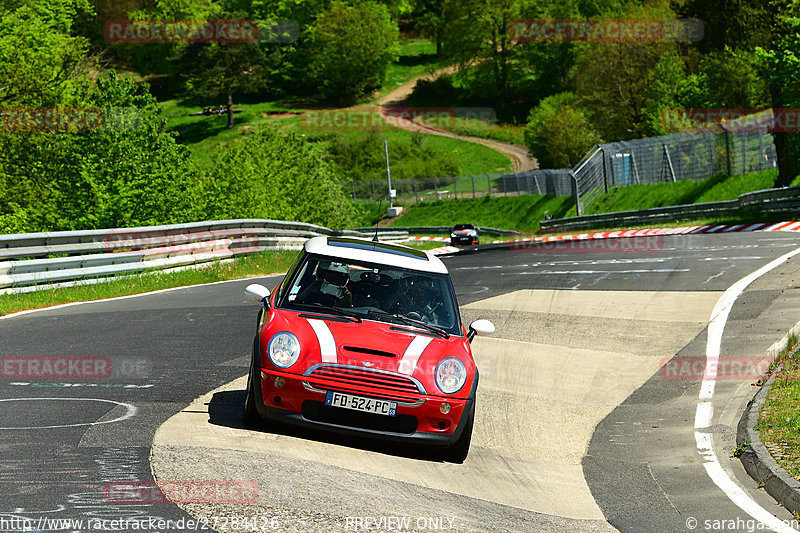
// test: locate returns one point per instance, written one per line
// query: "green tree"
(780, 59)
(734, 79)
(125, 172)
(558, 132)
(38, 55)
(353, 45)
(273, 175)
(215, 70)
(477, 34)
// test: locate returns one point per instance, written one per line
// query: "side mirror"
(258, 293)
(481, 328)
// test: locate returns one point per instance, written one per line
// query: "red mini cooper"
(363, 337)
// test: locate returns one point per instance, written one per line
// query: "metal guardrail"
(767, 202)
(28, 258)
(436, 230)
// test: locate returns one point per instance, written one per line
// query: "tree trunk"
(230, 109)
(787, 166)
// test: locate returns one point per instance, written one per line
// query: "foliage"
(276, 176)
(127, 172)
(558, 133)
(38, 56)
(353, 47)
(363, 157)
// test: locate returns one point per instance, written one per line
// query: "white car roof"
(375, 252)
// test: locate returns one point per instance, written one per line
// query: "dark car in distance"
(463, 234)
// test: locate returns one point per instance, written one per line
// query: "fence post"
(605, 173)
(436, 188)
(760, 150)
(744, 154)
(503, 177)
(372, 184)
(473, 186)
(355, 200)
(455, 187)
(710, 140)
(669, 162)
(489, 184)
(416, 194)
(727, 149)
(578, 209)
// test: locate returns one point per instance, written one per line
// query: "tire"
(250, 416)
(458, 451)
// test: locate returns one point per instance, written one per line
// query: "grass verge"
(779, 420)
(714, 189)
(523, 213)
(255, 265)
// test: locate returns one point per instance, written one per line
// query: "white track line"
(129, 296)
(705, 409)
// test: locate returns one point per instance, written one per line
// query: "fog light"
(444, 408)
(279, 382)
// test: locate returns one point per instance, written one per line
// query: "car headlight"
(453, 235)
(451, 374)
(283, 350)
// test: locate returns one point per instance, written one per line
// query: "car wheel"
(457, 452)
(250, 416)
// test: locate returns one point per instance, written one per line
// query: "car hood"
(370, 345)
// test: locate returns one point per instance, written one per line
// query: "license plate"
(359, 403)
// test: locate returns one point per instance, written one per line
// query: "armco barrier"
(26, 258)
(779, 201)
(436, 230)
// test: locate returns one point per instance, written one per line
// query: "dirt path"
(519, 155)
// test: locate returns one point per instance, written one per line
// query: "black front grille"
(319, 412)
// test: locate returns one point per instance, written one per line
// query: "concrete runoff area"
(541, 395)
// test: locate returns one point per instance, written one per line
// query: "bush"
(354, 46)
(273, 175)
(362, 156)
(558, 133)
(127, 172)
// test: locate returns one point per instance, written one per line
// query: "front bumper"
(301, 404)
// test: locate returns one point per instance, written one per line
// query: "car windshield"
(459, 227)
(374, 292)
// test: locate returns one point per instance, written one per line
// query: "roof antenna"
(380, 204)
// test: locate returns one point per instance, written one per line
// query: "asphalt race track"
(580, 427)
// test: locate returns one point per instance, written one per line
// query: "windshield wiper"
(332, 310)
(412, 322)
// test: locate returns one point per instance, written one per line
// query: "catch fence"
(694, 155)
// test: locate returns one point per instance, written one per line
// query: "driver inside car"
(414, 299)
(329, 288)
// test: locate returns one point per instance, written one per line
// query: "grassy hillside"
(715, 189)
(507, 212)
(524, 213)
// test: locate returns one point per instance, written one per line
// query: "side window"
(290, 274)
